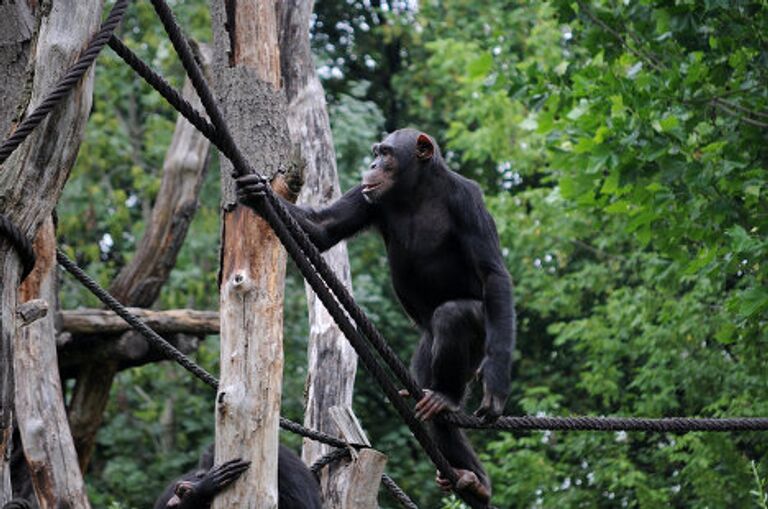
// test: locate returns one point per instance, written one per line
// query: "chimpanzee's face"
(382, 174)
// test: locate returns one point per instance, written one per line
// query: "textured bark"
(32, 178)
(332, 361)
(253, 261)
(41, 416)
(140, 281)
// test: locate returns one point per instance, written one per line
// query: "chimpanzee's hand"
(251, 189)
(227, 473)
(491, 407)
(221, 476)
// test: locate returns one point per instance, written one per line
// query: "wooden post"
(332, 361)
(32, 178)
(364, 469)
(140, 281)
(41, 416)
(247, 73)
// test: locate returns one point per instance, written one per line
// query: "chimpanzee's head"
(397, 162)
(182, 491)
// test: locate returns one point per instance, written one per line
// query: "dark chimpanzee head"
(398, 164)
(181, 492)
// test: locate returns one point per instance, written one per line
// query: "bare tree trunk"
(42, 419)
(253, 261)
(32, 178)
(140, 281)
(332, 361)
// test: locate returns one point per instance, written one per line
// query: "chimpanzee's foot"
(431, 404)
(468, 481)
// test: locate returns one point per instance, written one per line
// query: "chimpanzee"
(297, 487)
(447, 271)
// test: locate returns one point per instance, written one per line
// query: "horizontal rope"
(331, 457)
(668, 424)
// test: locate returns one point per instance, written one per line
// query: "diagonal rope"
(67, 82)
(397, 492)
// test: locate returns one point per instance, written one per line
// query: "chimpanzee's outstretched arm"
(327, 226)
(480, 242)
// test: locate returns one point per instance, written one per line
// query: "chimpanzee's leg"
(459, 336)
(421, 363)
(455, 350)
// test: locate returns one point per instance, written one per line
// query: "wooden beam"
(104, 322)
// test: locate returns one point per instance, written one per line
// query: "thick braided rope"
(668, 424)
(509, 423)
(398, 493)
(331, 457)
(242, 167)
(67, 82)
(224, 139)
(20, 242)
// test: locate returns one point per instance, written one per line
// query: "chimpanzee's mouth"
(367, 188)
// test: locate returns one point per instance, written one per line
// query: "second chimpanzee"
(297, 487)
(447, 270)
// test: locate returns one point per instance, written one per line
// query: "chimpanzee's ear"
(424, 147)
